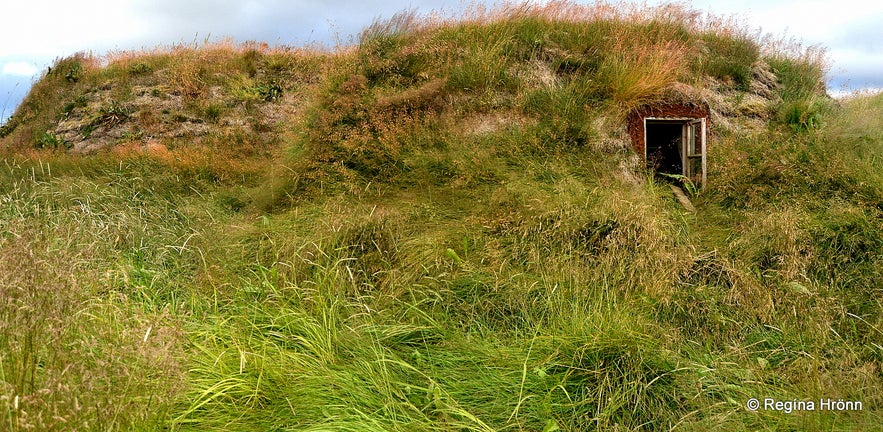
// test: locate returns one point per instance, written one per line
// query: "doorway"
(676, 146)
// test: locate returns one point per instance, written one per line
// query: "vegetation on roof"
(440, 227)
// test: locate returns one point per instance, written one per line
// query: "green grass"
(443, 229)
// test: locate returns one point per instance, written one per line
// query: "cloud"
(19, 68)
(863, 34)
(856, 68)
(295, 22)
(48, 28)
(849, 31)
(848, 93)
(102, 25)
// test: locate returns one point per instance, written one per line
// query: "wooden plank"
(682, 198)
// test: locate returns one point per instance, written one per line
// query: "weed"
(139, 69)
(50, 141)
(802, 114)
(212, 112)
(73, 73)
(250, 59)
(107, 117)
(80, 101)
(270, 91)
(801, 72)
(685, 181)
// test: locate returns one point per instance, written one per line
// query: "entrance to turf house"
(676, 147)
(672, 139)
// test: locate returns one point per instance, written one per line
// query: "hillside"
(446, 226)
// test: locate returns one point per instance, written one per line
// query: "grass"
(77, 351)
(441, 228)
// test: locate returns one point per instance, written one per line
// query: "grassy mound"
(441, 228)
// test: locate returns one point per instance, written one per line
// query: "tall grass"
(86, 342)
(442, 228)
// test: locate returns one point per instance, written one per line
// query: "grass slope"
(442, 228)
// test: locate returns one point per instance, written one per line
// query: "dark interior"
(664, 147)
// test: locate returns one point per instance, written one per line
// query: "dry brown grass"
(644, 71)
(71, 360)
(561, 11)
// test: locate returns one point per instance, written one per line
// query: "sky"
(33, 33)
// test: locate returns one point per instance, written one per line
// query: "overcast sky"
(35, 32)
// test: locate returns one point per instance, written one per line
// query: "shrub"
(73, 74)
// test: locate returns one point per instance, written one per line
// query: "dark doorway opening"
(664, 146)
(676, 148)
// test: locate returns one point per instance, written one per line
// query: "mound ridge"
(445, 226)
(609, 61)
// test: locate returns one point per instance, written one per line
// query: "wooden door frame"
(684, 121)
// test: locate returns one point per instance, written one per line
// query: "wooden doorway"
(676, 146)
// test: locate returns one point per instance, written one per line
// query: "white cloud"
(860, 68)
(863, 92)
(47, 28)
(19, 68)
(50, 29)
